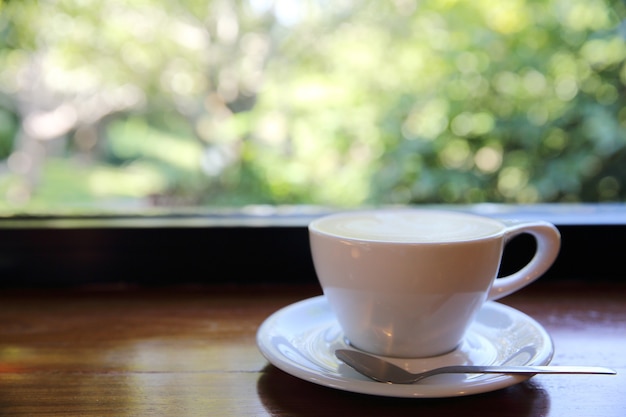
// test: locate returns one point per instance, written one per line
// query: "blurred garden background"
(130, 104)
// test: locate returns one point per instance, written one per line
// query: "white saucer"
(301, 339)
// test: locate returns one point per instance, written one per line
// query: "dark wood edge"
(58, 251)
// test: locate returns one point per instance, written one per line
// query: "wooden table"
(192, 352)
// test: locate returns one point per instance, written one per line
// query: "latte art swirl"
(418, 226)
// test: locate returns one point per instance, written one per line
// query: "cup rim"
(313, 226)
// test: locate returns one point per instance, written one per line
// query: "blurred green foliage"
(127, 103)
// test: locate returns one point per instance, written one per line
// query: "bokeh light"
(236, 102)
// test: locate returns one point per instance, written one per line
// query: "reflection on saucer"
(283, 394)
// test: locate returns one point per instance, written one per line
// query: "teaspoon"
(382, 371)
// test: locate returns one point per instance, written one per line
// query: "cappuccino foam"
(408, 226)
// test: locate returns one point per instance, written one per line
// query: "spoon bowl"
(383, 371)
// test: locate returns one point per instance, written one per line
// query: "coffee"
(409, 226)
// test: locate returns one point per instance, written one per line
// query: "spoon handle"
(547, 369)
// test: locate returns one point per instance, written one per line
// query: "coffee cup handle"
(548, 241)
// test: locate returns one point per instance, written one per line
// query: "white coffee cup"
(409, 282)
